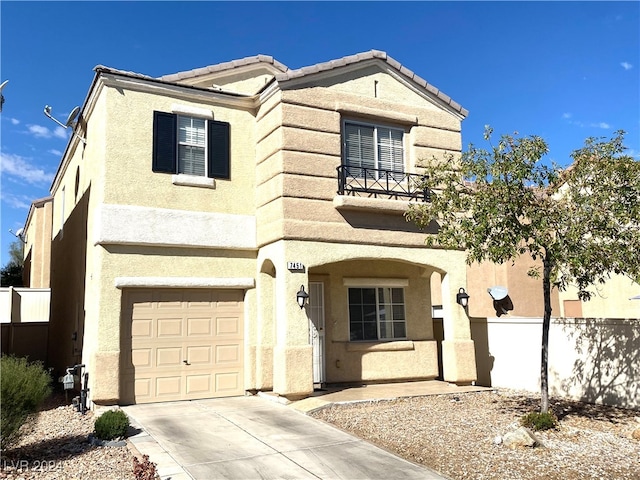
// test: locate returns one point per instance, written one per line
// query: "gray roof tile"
(225, 66)
(288, 74)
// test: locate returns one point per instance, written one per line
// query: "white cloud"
(626, 65)
(578, 123)
(14, 121)
(19, 168)
(55, 152)
(60, 132)
(39, 131)
(15, 201)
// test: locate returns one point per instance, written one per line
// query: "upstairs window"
(190, 145)
(373, 147)
(376, 313)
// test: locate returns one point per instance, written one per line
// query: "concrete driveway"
(254, 438)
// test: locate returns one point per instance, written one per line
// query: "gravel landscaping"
(456, 435)
(56, 446)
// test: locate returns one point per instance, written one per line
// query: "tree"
(16, 249)
(11, 273)
(582, 223)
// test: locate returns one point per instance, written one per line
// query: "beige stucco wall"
(355, 361)
(145, 264)
(282, 188)
(610, 300)
(76, 190)
(348, 361)
(248, 79)
(525, 291)
(128, 156)
(37, 248)
(299, 150)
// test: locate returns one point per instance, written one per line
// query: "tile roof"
(371, 55)
(102, 68)
(288, 74)
(220, 67)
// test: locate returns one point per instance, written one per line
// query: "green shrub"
(23, 387)
(539, 421)
(111, 424)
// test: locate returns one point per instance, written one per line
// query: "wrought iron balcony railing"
(376, 183)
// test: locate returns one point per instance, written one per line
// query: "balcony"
(384, 184)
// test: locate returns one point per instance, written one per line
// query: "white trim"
(175, 90)
(184, 180)
(135, 225)
(376, 113)
(375, 282)
(380, 345)
(184, 282)
(347, 202)
(191, 111)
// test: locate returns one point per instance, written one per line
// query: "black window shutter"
(218, 146)
(164, 142)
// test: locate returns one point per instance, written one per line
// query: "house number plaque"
(295, 266)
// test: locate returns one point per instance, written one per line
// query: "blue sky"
(561, 70)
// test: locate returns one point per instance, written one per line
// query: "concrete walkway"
(265, 437)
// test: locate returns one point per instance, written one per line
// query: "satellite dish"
(498, 292)
(501, 300)
(72, 116)
(2, 96)
(70, 120)
(19, 232)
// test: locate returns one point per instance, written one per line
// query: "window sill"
(347, 202)
(392, 346)
(193, 181)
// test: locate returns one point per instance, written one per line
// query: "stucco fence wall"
(24, 322)
(591, 359)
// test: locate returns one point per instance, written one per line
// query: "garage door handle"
(186, 362)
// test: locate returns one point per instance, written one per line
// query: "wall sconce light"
(462, 298)
(301, 296)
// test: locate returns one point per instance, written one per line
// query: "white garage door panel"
(184, 344)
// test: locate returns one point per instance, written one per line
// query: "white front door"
(316, 329)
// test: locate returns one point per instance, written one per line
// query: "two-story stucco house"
(191, 212)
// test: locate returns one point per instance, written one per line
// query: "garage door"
(181, 345)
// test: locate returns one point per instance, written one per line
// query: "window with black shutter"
(190, 145)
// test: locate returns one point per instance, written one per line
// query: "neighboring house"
(37, 250)
(619, 297)
(190, 210)
(24, 312)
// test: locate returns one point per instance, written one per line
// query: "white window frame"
(376, 142)
(376, 285)
(204, 147)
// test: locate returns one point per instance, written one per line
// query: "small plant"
(23, 387)
(111, 424)
(144, 470)
(539, 421)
